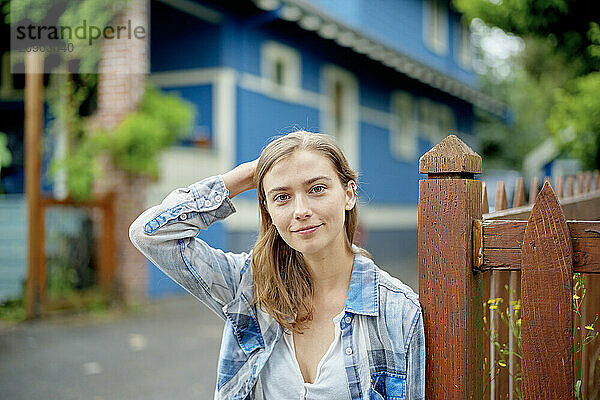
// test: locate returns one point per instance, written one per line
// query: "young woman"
(308, 315)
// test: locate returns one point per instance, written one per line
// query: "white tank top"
(281, 379)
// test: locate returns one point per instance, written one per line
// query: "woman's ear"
(350, 195)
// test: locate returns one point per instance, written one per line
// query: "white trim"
(246, 217)
(462, 46)
(435, 26)
(186, 77)
(225, 118)
(259, 84)
(272, 52)
(194, 9)
(403, 126)
(377, 218)
(199, 163)
(375, 117)
(388, 217)
(348, 135)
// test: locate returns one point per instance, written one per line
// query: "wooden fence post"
(449, 290)
(34, 115)
(547, 303)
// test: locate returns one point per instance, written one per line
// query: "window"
(280, 67)
(447, 121)
(436, 121)
(462, 42)
(435, 25)
(339, 109)
(403, 132)
(428, 120)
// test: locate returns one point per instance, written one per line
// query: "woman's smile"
(308, 230)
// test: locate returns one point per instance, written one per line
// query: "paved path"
(169, 351)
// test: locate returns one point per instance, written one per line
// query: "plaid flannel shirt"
(395, 353)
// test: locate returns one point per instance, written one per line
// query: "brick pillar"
(122, 73)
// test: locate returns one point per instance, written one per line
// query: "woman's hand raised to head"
(241, 178)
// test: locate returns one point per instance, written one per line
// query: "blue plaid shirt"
(395, 353)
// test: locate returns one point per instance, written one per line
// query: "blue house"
(388, 78)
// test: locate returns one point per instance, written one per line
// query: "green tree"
(555, 73)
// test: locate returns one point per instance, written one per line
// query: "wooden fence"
(467, 256)
(35, 285)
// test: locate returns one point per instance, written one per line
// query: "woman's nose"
(301, 209)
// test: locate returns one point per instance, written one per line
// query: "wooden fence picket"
(501, 280)
(515, 286)
(486, 285)
(547, 304)
(588, 181)
(533, 189)
(560, 182)
(570, 183)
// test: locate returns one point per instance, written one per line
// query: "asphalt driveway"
(168, 351)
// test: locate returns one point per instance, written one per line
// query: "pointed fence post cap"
(450, 156)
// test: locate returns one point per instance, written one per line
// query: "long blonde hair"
(283, 285)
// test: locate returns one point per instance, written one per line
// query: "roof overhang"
(313, 19)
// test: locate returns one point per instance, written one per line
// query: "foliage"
(5, 155)
(511, 317)
(564, 24)
(562, 48)
(530, 98)
(134, 145)
(577, 115)
(12, 310)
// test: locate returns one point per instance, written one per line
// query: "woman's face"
(307, 202)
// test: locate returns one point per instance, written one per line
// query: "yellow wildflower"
(576, 297)
(502, 363)
(490, 301)
(589, 327)
(493, 307)
(517, 307)
(513, 303)
(499, 299)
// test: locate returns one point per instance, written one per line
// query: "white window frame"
(429, 119)
(435, 26)
(403, 129)
(273, 52)
(347, 134)
(462, 45)
(447, 122)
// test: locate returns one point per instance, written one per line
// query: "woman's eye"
(280, 197)
(318, 189)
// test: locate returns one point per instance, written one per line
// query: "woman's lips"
(307, 231)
